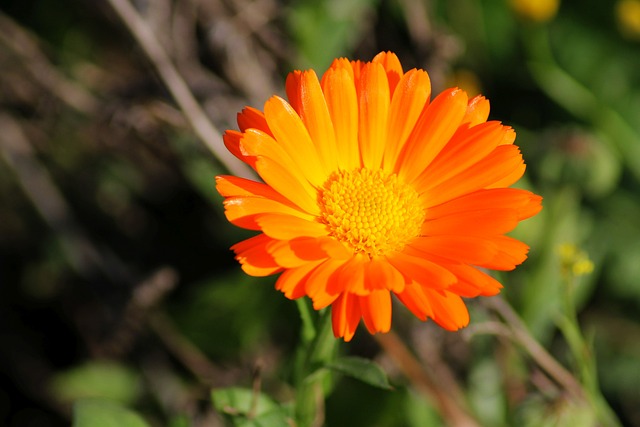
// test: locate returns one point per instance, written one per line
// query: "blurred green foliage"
(104, 413)
(97, 379)
(246, 409)
(140, 188)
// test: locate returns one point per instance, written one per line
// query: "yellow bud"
(582, 267)
(536, 10)
(574, 261)
(628, 17)
(567, 252)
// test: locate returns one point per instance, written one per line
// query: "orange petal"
(477, 111)
(415, 299)
(376, 311)
(341, 64)
(434, 128)
(251, 118)
(287, 227)
(464, 249)
(244, 211)
(296, 252)
(373, 103)
(230, 186)
(292, 88)
(334, 248)
(267, 151)
(342, 102)
(379, 274)
(408, 102)
(323, 277)
(511, 252)
(305, 95)
(502, 161)
(290, 133)
(524, 202)
(509, 137)
(254, 258)
(392, 67)
(533, 206)
(292, 281)
(467, 147)
(345, 316)
(449, 311)
(351, 277)
(357, 66)
(422, 270)
(286, 183)
(255, 143)
(509, 179)
(231, 139)
(481, 222)
(473, 282)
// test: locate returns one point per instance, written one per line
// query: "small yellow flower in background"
(582, 267)
(372, 189)
(567, 252)
(536, 10)
(628, 17)
(574, 261)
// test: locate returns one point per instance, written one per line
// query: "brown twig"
(254, 16)
(428, 349)
(84, 256)
(245, 64)
(256, 388)
(146, 295)
(451, 411)
(26, 45)
(192, 110)
(539, 378)
(183, 349)
(538, 353)
(437, 46)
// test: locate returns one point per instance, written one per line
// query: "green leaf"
(246, 408)
(104, 413)
(180, 421)
(277, 418)
(363, 370)
(97, 379)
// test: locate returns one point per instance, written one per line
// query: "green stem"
(308, 332)
(313, 381)
(581, 351)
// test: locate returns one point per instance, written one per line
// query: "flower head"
(372, 189)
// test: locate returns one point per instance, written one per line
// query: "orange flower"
(370, 189)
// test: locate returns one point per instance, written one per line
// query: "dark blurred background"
(115, 275)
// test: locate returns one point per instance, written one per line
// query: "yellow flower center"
(369, 211)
